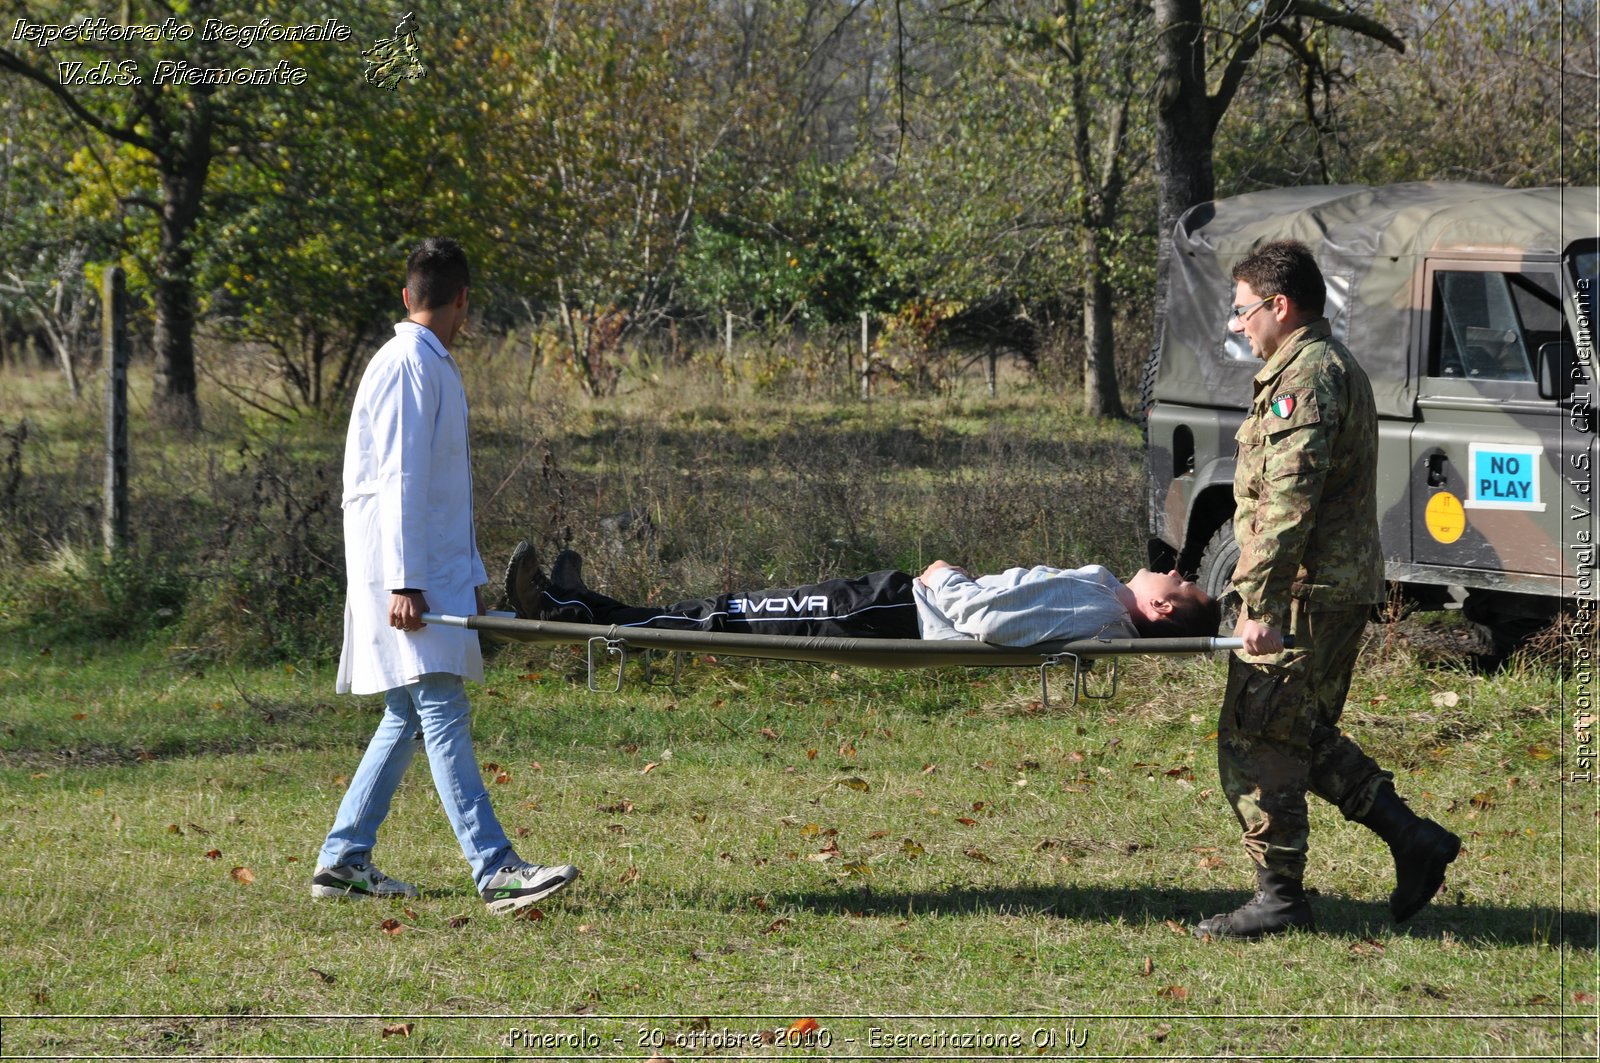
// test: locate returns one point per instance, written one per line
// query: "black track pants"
(877, 605)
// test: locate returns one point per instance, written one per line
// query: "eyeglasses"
(1241, 312)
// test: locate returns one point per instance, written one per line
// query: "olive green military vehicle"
(1470, 307)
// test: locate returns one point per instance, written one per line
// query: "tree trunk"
(1186, 125)
(1101, 397)
(183, 179)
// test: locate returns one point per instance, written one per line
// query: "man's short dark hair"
(1285, 267)
(436, 272)
(1193, 615)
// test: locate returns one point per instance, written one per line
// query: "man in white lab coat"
(409, 548)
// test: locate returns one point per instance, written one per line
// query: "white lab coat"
(408, 516)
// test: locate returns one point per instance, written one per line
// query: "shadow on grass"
(1490, 924)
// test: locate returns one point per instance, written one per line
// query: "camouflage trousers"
(1278, 737)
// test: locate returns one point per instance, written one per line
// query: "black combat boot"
(1421, 849)
(1279, 904)
(526, 582)
(566, 571)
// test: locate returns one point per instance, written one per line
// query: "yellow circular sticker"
(1446, 519)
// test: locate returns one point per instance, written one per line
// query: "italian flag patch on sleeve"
(1283, 406)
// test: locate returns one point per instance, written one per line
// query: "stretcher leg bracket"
(1080, 679)
(611, 647)
(623, 652)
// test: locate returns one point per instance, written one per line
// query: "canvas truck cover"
(1370, 243)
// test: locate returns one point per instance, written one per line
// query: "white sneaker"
(519, 884)
(358, 880)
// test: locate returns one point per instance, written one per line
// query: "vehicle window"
(1583, 258)
(1487, 326)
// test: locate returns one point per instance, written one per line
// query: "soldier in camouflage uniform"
(1309, 566)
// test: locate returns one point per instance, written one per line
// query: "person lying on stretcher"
(1017, 607)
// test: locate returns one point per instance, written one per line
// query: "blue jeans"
(436, 705)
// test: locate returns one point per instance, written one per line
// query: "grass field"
(929, 864)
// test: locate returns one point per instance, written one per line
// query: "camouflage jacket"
(1305, 485)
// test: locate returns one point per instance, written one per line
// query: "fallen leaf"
(214, 854)
(80, 716)
(322, 976)
(243, 875)
(1148, 969)
(172, 828)
(1446, 699)
(979, 855)
(1159, 1034)
(528, 915)
(621, 808)
(878, 834)
(760, 904)
(1368, 947)
(801, 1027)
(768, 733)
(531, 677)
(811, 754)
(929, 769)
(1209, 863)
(392, 927)
(584, 928)
(847, 749)
(456, 922)
(1176, 927)
(912, 849)
(1483, 799)
(1580, 997)
(491, 768)
(399, 1029)
(1540, 751)
(503, 777)
(775, 926)
(1173, 992)
(966, 821)
(855, 783)
(858, 867)
(630, 875)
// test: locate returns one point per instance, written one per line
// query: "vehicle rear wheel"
(1217, 562)
(1507, 621)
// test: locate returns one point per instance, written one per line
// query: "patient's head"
(1168, 606)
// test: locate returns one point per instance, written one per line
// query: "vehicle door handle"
(1436, 477)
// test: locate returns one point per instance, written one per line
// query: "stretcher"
(622, 643)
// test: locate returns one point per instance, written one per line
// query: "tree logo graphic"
(392, 60)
